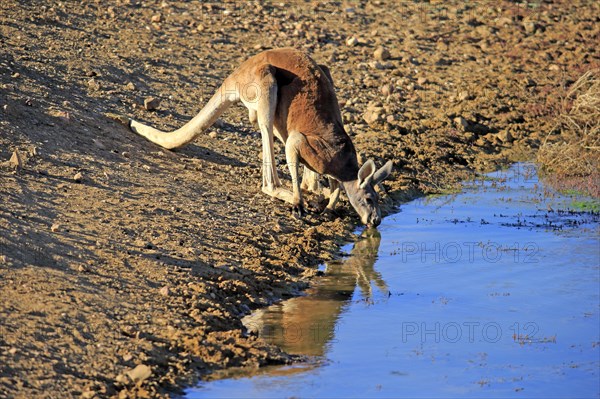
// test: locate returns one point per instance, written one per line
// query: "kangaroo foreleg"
(310, 181)
(334, 187)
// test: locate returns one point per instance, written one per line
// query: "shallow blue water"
(489, 293)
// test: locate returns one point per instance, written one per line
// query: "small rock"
(387, 89)
(88, 395)
(16, 75)
(83, 269)
(469, 126)
(164, 291)
(212, 135)
(463, 95)
(99, 144)
(484, 30)
(127, 357)
(12, 351)
(78, 177)
(381, 53)
(442, 46)
(422, 80)
(151, 103)
(15, 160)
(469, 136)
(372, 116)
(130, 86)
(461, 122)
(121, 379)
(93, 84)
(55, 227)
(505, 136)
(530, 27)
(352, 41)
(140, 373)
(156, 18)
(528, 82)
(504, 21)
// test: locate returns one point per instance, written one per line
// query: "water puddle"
(493, 292)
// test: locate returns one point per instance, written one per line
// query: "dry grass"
(570, 160)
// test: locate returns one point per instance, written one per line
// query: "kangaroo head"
(361, 192)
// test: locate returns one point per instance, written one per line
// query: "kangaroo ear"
(365, 173)
(383, 172)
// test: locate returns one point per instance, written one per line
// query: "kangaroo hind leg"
(292, 154)
(265, 114)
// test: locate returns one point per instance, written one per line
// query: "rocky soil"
(124, 268)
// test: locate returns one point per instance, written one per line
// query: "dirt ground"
(124, 268)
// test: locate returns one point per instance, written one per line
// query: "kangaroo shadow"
(307, 325)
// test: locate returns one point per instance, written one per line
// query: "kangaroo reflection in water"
(305, 325)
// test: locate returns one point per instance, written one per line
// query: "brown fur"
(307, 104)
(293, 99)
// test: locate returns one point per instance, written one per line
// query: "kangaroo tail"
(218, 103)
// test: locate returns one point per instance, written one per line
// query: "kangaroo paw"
(280, 193)
(298, 211)
(330, 214)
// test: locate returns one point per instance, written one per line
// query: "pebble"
(130, 86)
(88, 395)
(156, 18)
(387, 89)
(213, 135)
(422, 80)
(463, 95)
(15, 160)
(78, 177)
(99, 144)
(352, 41)
(381, 53)
(461, 122)
(530, 27)
(140, 373)
(93, 84)
(55, 227)
(372, 116)
(164, 291)
(151, 103)
(505, 136)
(528, 82)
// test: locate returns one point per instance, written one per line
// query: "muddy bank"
(115, 253)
